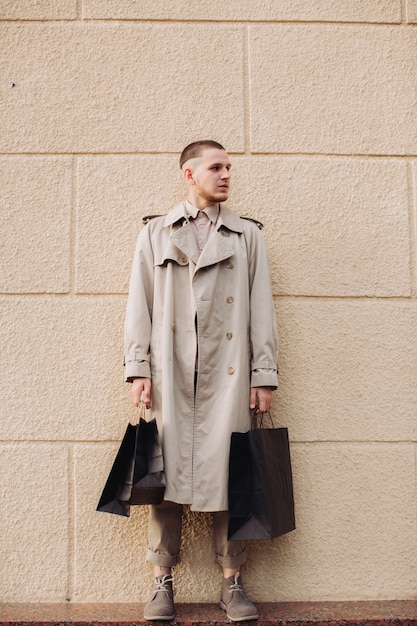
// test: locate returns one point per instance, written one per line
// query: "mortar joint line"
(234, 22)
(208, 22)
(415, 479)
(73, 443)
(412, 199)
(404, 12)
(71, 525)
(79, 9)
(246, 92)
(257, 154)
(73, 227)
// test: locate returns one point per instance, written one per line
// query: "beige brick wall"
(316, 102)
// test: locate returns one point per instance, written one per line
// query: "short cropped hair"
(195, 149)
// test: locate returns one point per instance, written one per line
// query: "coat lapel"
(179, 243)
(216, 249)
(184, 239)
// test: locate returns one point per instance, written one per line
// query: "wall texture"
(316, 102)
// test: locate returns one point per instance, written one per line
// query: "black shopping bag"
(148, 476)
(137, 475)
(261, 499)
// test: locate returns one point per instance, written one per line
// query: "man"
(201, 349)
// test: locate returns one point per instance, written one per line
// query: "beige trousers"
(165, 524)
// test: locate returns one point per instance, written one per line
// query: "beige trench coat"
(221, 301)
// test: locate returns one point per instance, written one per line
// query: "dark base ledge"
(369, 613)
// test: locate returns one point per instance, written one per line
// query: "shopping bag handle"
(257, 420)
(140, 412)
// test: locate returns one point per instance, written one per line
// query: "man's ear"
(188, 175)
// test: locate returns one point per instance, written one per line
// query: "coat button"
(225, 233)
(183, 259)
(173, 327)
(229, 335)
(230, 265)
(230, 370)
(229, 299)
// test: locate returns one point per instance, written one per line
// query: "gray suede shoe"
(161, 604)
(234, 601)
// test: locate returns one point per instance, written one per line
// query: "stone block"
(412, 11)
(35, 224)
(112, 545)
(356, 528)
(62, 368)
(347, 496)
(38, 10)
(334, 227)
(347, 369)
(34, 526)
(104, 539)
(333, 89)
(114, 87)
(114, 193)
(275, 10)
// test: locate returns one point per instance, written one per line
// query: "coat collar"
(227, 218)
(182, 238)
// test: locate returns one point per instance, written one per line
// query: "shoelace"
(161, 583)
(236, 586)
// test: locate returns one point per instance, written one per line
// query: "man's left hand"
(260, 399)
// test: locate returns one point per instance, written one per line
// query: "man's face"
(208, 177)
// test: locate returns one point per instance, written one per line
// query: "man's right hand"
(141, 391)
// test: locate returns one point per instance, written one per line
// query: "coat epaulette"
(148, 218)
(251, 219)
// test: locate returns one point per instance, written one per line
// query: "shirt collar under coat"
(211, 211)
(182, 242)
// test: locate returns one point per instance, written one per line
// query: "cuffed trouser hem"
(231, 562)
(230, 554)
(163, 560)
(165, 521)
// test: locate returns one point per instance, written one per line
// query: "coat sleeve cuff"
(261, 377)
(136, 367)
